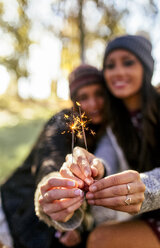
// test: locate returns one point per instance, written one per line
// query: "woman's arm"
(151, 179)
(51, 150)
(58, 202)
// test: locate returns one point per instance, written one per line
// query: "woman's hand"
(122, 191)
(60, 197)
(82, 167)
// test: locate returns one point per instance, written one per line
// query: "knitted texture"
(83, 75)
(71, 224)
(138, 45)
(151, 180)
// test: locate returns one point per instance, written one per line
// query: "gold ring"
(128, 188)
(128, 200)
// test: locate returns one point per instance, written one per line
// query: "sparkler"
(72, 128)
(82, 125)
(78, 126)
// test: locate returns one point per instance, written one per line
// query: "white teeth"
(119, 83)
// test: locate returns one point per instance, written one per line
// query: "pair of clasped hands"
(83, 172)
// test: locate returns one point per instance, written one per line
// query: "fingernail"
(88, 181)
(86, 173)
(46, 195)
(93, 188)
(89, 196)
(78, 192)
(40, 198)
(58, 234)
(71, 183)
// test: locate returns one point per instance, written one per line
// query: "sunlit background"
(41, 41)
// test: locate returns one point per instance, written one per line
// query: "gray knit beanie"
(136, 44)
(84, 75)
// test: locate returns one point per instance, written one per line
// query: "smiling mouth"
(95, 114)
(119, 84)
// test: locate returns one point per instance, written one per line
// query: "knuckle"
(115, 180)
(76, 148)
(117, 201)
(67, 156)
(47, 196)
(61, 204)
(96, 162)
(72, 166)
(101, 185)
(56, 217)
(117, 191)
(45, 209)
(68, 210)
(51, 181)
(143, 188)
(135, 209)
(63, 169)
(136, 175)
(141, 198)
(79, 159)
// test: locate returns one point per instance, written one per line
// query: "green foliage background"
(20, 125)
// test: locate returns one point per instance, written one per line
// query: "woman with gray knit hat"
(19, 225)
(134, 119)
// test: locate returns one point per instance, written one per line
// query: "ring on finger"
(128, 200)
(128, 188)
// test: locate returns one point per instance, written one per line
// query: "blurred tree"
(83, 26)
(18, 31)
(84, 22)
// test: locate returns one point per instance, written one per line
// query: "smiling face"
(92, 101)
(123, 73)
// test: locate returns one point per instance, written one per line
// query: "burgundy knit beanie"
(84, 75)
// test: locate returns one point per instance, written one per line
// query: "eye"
(83, 97)
(109, 66)
(129, 62)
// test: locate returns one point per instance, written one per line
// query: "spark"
(92, 132)
(77, 126)
(66, 116)
(82, 125)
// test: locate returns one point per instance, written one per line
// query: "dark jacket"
(17, 192)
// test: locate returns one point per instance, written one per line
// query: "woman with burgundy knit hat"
(19, 225)
(133, 113)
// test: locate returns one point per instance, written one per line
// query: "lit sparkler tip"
(78, 104)
(66, 116)
(83, 115)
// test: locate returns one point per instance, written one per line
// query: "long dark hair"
(141, 152)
